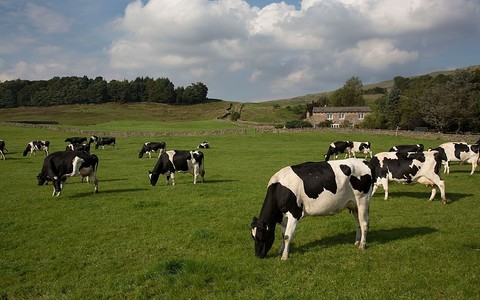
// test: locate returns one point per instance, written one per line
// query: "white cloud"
(272, 43)
(46, 20)
(236, 66)
(375, 54)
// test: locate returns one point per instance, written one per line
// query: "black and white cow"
(2, 149)
(338, 147)
(203, 145)
(78, 147)
(35, 146)
(317, 189)
(76, 140)
(407, 148)
(173, 161)
(459, 152)
(103, 141)
(59, 166)
(361, 147)
(150, 147)
(409, 168)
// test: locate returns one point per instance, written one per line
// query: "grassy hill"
(88, 115)
(269, 112)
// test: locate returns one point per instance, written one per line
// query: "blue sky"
(242, 50)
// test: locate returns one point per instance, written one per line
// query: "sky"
(242, 50)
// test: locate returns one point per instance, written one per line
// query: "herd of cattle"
(77, 160)
(326, 188)
(311, 188)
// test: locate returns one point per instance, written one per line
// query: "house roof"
(345, 109)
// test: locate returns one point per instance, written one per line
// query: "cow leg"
(433, 194)
(446, 167)
(384, 183)
(172, 175)
(441, 186)
(474, 165)
(195, 173)
(283, 226)
(361, 221)
(94, 179)
(288, 236)
(57, 186)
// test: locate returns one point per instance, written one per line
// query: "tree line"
(84, 90)
(444, 103)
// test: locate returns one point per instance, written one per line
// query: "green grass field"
(189, 241)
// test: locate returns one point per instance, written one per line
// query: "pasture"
(135, 241)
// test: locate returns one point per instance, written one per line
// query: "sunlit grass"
(193, 241)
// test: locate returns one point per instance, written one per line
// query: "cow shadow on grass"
(380, 236)
(395, 196)
(218, 180)
(106, 191)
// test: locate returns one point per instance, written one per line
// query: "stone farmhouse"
(339, 116)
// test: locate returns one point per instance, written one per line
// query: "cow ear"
(254, 222)
(150, 172)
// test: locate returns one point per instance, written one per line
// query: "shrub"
(297, 124)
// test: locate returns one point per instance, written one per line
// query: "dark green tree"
(350, 94)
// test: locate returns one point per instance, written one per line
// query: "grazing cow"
(35, 146)
(461, 152)
(58, 166)
(78, 147)
(2, 149)
(150, 147)
(204, 145)
(76, 140)
(338, 147)
(363, 147)
(317, 189)
(178, 161)
(102, 141)
(407, 148)
(409, 168)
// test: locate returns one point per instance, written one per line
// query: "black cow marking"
(316, 177)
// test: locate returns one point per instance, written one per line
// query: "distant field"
(97, 115)
(134, 241)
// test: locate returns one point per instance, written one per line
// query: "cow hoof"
(360, 245)
(284, 257)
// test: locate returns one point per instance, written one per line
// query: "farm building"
(339, 116)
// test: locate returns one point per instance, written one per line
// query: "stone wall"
(469, 138)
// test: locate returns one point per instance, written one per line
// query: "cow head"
(42, 179)
(153, 177)
(263, 236)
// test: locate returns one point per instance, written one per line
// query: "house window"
(361, 116)
(341, 116)
(329, 116)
